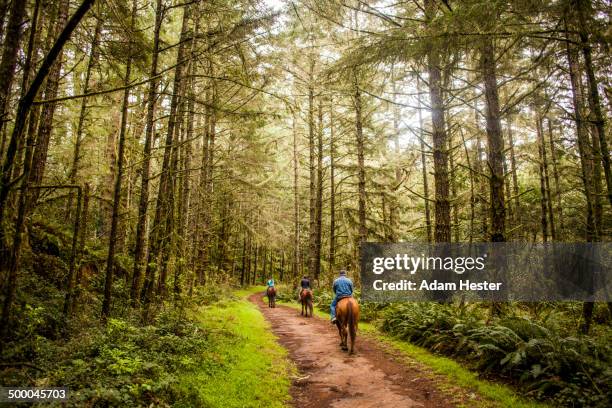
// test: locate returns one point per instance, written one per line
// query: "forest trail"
(330, 377)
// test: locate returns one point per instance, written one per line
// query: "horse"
(271, 294)
(347, 317)
(306, 301)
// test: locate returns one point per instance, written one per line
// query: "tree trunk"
(361, 179)
(78, 139)
(598, 190)
(543, 193)
(332, 190)
(442, 231)
(296, 206)
(586, 159)
(112, 240)
(39, 159)
(164, 205)
(312, 244)
(515, 188)
(544, 158)
(20, 118)
(4, 5)
(553, 156)
(319, 203)
(453, 186)
(583, 7)
(424, 165)
(472, 193)
(143, 204)
(495, 143)
(9, 62)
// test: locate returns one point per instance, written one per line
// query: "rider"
(343, 287)
(271, 282)
(305, 285)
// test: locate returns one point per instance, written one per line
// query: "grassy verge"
(448, 374)
(247, 367)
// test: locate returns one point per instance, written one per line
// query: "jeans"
(332, 307)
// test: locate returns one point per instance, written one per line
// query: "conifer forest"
(162, 160)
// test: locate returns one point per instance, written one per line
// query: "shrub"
(572, 371)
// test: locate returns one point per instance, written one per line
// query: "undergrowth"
(538, 354)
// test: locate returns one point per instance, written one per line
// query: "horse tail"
(352, 322)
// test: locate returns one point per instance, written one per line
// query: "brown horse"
(271, 294)
(306, 300)
(347, 317)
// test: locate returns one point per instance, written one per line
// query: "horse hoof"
(344, 348)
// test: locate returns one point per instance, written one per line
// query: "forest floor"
(330, 377)
(383, 372)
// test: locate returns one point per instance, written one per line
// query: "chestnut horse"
(347, 317)
(271, 294)
(306, 300)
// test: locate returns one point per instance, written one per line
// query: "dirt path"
(330, 377)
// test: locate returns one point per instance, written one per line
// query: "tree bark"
(9, 61)
(163, 208)
(543, 192)
(495, 143)
(312, 243)
(45, 127)
(332, 189)
(515, 187)
(143, 204)
(22, 111)
(110, 260)
(424, 165)
(361, 178)
(319, 203)
(553, 156)
(582, 8)
(586, 159)
(442, 231)
(78, 139)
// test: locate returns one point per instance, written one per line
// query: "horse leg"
(344, 335)
(310, 307)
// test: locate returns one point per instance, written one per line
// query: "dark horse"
(347, 316)
(271, 294)
(306, 301)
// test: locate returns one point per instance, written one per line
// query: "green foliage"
(244, 366)
(572, 371)
(183, 357)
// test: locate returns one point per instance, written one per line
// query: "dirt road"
(329, 377)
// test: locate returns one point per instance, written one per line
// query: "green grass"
(247, 367)
(454, 374)
(448, 374)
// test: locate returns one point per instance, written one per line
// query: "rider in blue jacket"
(343, 287)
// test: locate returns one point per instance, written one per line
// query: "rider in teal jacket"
(343, 287)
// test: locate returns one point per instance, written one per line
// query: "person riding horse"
(343, 287)
(271, 293)
(304, 285)
(305, 296)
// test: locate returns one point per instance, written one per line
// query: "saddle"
(302, 292)
(342, 298)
